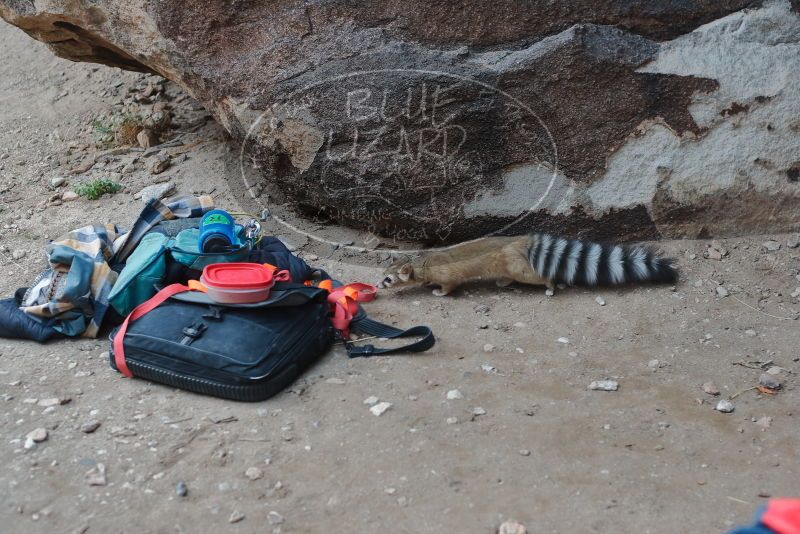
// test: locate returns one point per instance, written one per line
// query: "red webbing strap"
(344, 303)
(139, 311)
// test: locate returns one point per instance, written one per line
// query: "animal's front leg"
(444, 290)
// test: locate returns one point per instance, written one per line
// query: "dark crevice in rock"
(84, 45)
(793, 173)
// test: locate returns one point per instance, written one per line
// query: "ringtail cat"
(537, 259)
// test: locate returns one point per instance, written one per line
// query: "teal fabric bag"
(184, 250)
(145, 268)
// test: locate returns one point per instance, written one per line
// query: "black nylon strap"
(362, 323)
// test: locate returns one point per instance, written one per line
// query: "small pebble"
(772, 245)
(38, 435)
(146, 138)
(18, 254)
(512, 527)
(253, 473)
(563, 340)
(235, 516)
(488, 347)
(549, 292)
(337, 381)
(725, 406)
(69, 196)
(158, 163)
(722, 292)
(380, 408)
(90, 426)
(157, 191)
(769, 381)
(653, 364)
(525, 452)
(454, 394)
(710, 388)
(58, 181)
(181, 490)
(793, 242)
(478, 411)
(600, 301)
(488, 368)
(604, 385)
(274, 518)
(452, 420)
(371, 400)
(96, 476)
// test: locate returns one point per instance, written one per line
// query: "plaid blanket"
(155, 212)
(72, 294)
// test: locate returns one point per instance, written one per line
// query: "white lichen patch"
(529, 187)
(751, 120)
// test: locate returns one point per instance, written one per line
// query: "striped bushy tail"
(583, 263)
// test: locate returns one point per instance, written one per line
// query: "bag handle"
(140, 310)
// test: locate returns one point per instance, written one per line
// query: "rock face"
(440, 121)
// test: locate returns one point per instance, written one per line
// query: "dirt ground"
(528, 441)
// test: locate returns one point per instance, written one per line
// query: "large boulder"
(440, 121)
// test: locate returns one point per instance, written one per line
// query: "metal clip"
(252, 230)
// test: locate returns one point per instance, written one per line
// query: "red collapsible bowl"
(237, 283)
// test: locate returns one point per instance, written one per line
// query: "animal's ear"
(406, 272)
